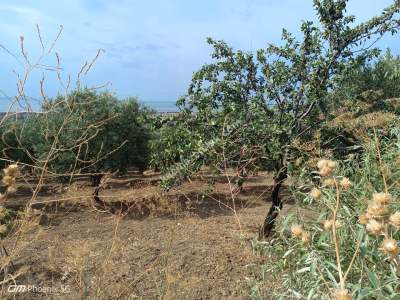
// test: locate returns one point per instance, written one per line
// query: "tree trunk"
(96, 179)
(276, 206)
(115, 207)
(98, 203)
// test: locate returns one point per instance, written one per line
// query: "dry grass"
(185, 244)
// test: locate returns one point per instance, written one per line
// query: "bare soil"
(190, 243)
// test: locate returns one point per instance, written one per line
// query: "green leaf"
(373, 279)
(287, 253)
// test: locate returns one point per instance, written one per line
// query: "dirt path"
(156, 258)
(196, 258)
(203, 252)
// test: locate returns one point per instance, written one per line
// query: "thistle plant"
(10, 174)
(8, 181)
(382, 223)
(378, 221)
(344, 240)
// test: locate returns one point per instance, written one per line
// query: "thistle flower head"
(325, 171)
(345, 183)
(331, 164)
(394, 219)
(329, 223)
(381, 198)
(11, 190)
(374, 227)
(296, 230)
(3, 229)
(12, 170)
(377, 210)
(342, 294)
(390, 247)
(315, 193)
(8, 180)
(364, 218)
(329, 182)
(326, 167)
(305, 237)
(322, 163)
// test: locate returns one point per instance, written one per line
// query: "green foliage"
(83, 132)
(277, 96)
(15, 146)
(309, 270)
(166, 145)
(113, 133)
(381, 76)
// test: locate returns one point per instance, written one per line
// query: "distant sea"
(158, 106)
(161, 106)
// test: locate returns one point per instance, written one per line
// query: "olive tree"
(375, 81)
(115, 134)
(99, 134)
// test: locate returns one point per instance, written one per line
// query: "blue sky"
(151, 47)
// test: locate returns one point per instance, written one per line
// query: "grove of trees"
(84, 132)
(244, 111)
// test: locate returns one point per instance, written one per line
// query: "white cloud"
(153, 42)
(27, 13)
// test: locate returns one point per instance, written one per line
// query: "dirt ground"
(191, 243)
